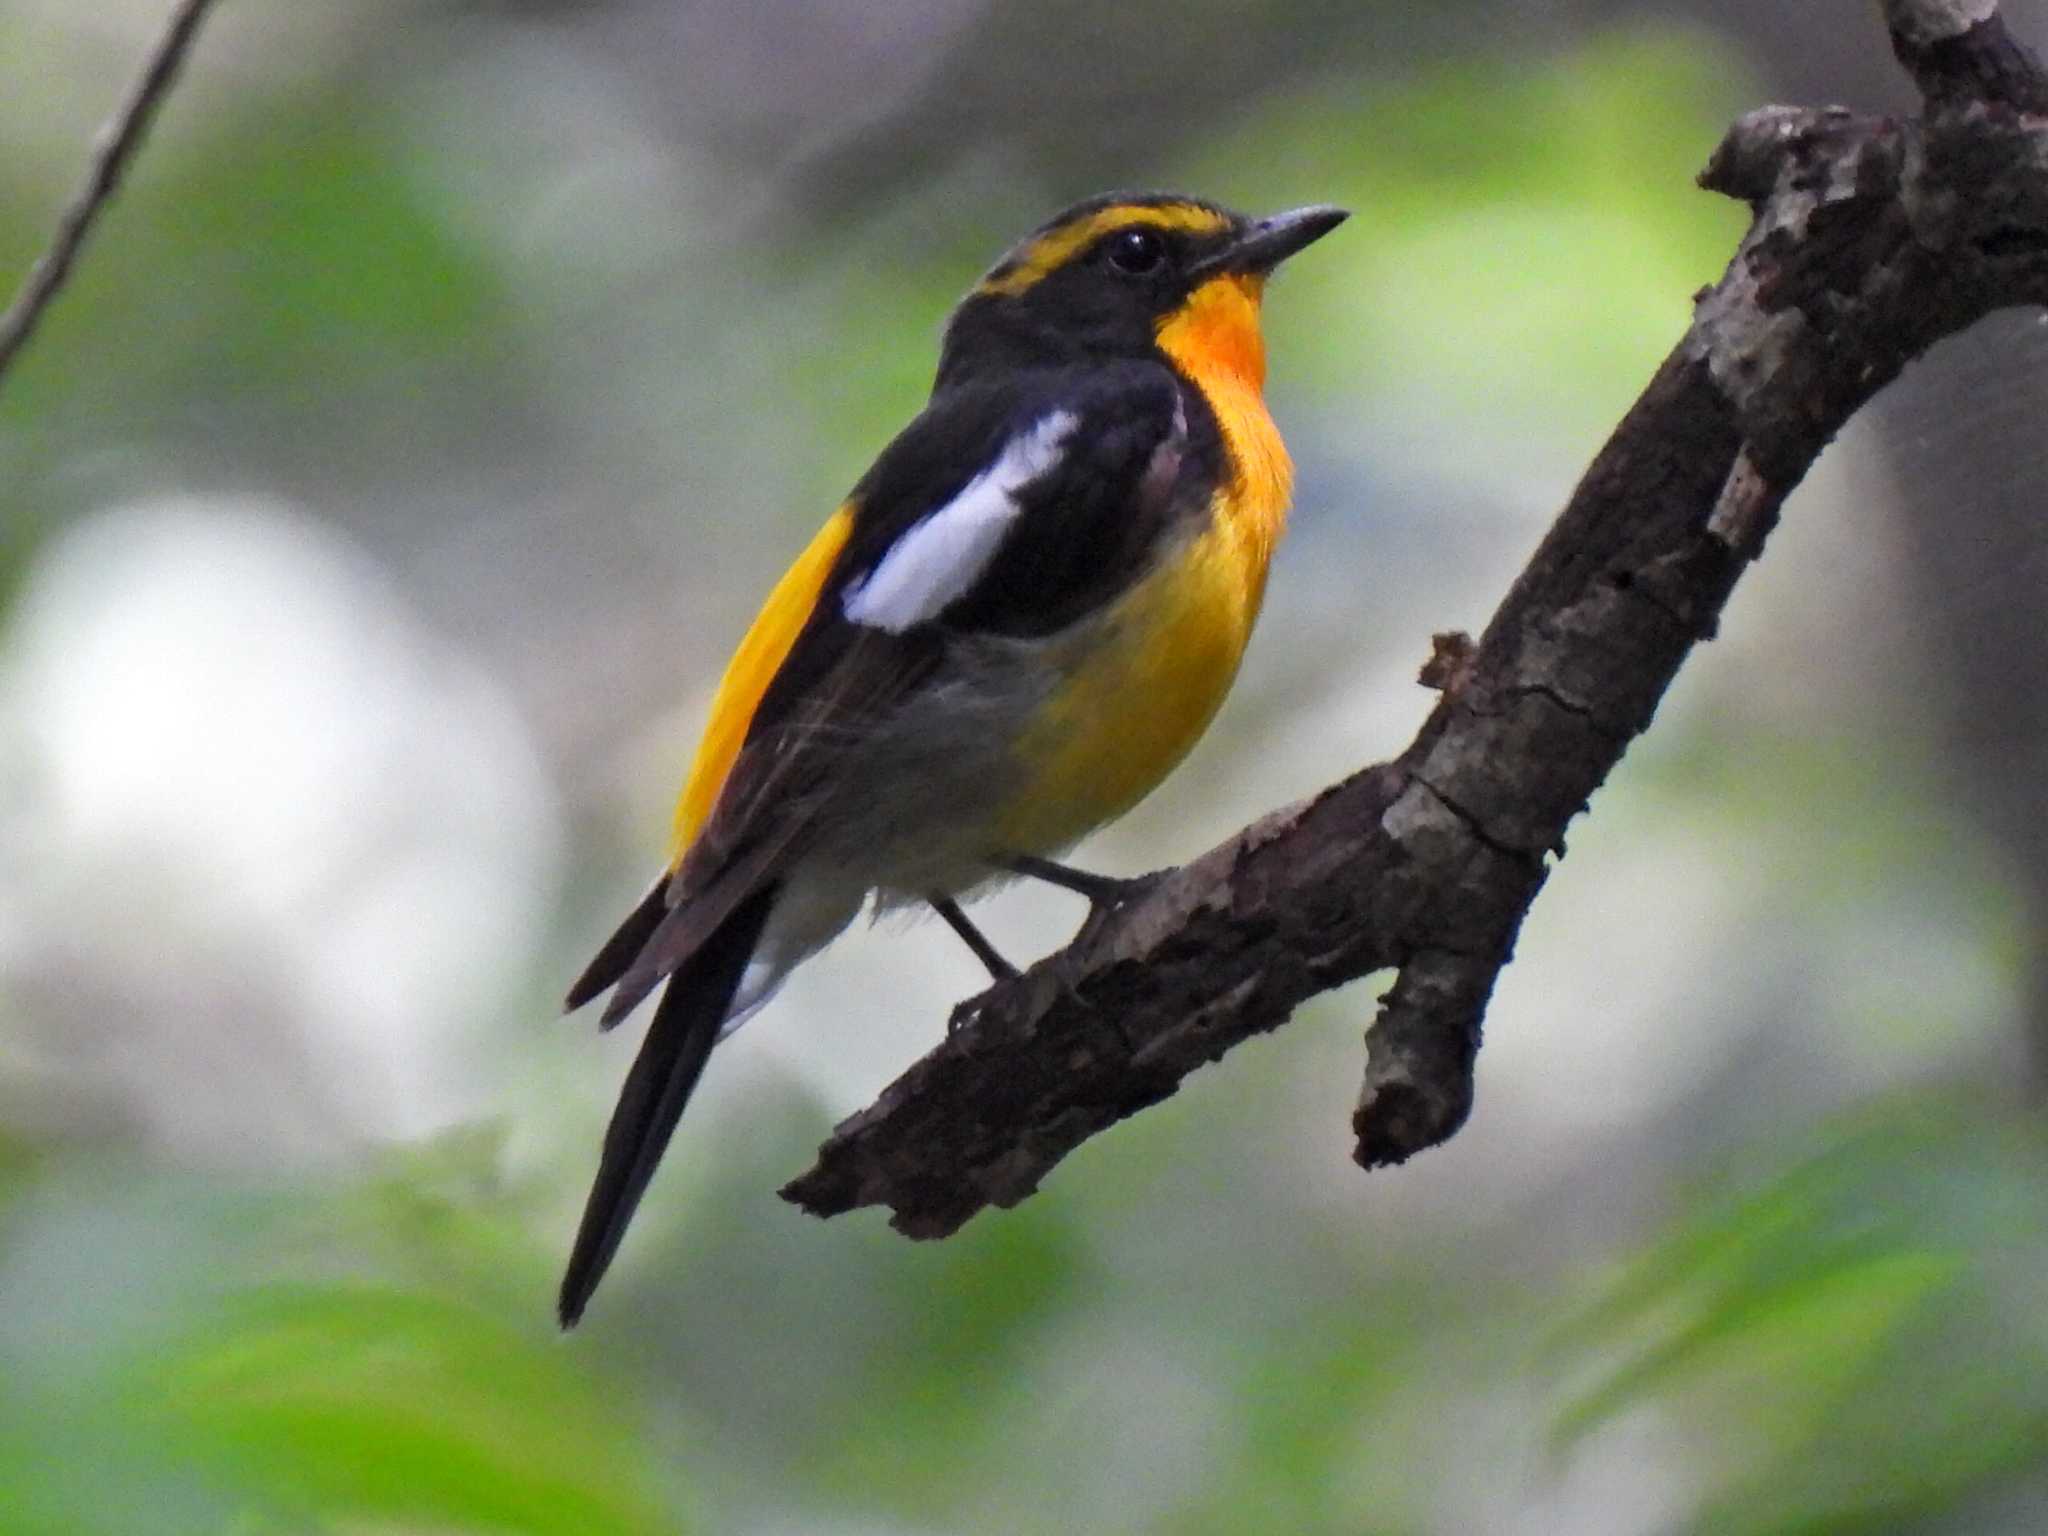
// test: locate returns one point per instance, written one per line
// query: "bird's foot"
(964, 1013)
(1105, 893)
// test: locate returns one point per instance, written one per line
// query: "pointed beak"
(1264, 243)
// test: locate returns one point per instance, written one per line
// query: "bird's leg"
(1101, 890)
(1105, 893)
(999, 969)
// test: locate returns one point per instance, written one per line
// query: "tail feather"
(679, 1040)
(689, 924)
(621, 948)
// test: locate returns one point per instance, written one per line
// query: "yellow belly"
(1139, 690)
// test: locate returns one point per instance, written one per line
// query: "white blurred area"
(270, 843)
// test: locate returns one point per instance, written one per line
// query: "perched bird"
(1017, 623)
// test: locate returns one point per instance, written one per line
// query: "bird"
(1009, 632)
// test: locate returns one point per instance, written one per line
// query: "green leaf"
(345, 1405)
(1854, 1345)
(1813, 1326)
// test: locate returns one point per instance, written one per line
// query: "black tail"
(671, 1059)
(622, 948)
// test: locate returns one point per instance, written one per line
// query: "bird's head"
(1124, 276)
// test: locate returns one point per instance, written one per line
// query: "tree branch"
(1960, 50)
(113, 149)
(1872, 238)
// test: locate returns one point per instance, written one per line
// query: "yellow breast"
(1147, 679)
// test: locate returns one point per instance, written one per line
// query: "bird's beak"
(1264, 243)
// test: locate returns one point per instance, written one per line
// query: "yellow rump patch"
(747, 676)
(1055, 248)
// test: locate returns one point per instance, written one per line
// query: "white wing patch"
(944, 553)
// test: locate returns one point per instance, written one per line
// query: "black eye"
(1137, 252)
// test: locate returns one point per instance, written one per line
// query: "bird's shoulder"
(1012, 502)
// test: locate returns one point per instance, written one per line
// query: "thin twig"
(113, 148)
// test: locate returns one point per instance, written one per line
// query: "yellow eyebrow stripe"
(1054, 249)
(747, 676)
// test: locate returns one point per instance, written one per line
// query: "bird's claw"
(964, 1013)
(1108, 898)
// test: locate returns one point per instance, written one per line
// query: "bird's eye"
(1137, 252)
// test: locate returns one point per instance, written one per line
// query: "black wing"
(1139, 450)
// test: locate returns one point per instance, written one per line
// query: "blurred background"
(376, 510)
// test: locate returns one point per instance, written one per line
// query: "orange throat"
(1214, 336)
(1214, 340)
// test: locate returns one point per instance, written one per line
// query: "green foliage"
(287, 253)
(1860, 1335)
(1317, 1405)
(276, 289)
(417, 1393)
(1507, 212)
(962, 1326)
(355, 1404)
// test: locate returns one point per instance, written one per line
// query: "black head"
(1102, 278)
